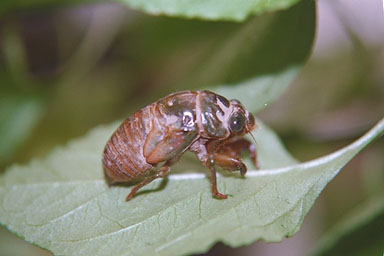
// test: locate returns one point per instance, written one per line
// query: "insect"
(199, 121)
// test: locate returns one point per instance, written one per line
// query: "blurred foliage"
(117, 60)
(359, 233)
(18, 116)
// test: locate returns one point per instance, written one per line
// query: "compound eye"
(237, 122)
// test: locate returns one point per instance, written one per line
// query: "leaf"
(208, 9)
(265, 51)
(263, 54)
(359, 233)
(12, 245)
(261, 91)
(63, 204)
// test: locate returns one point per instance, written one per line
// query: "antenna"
(253, 137)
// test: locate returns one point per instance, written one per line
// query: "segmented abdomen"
(153, 134)
(123, 157)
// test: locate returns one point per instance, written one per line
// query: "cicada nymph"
(199, 121)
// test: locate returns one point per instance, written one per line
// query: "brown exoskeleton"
(200, 121)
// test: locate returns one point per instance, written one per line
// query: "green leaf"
(63, 204)
(257, 54)
(208, 9)
(360, 233)
(255, 60)
(13, 245)
(261, 91)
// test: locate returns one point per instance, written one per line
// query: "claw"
(220, 196)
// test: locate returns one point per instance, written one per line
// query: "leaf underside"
(207, 9)
(63, 204)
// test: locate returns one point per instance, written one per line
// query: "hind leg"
(160, 173)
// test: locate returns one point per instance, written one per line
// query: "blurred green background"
(65, 69)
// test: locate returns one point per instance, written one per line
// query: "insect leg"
(229, 162)
(237, 146)
(253, 152)
(213, 180)
(161, 173)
